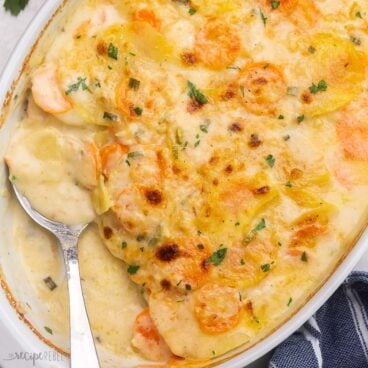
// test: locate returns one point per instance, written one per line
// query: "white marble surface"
(11, 29)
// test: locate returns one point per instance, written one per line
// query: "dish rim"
(9, 80)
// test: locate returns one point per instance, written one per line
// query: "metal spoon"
(83, 350)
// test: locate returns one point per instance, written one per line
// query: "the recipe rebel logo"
(33, 358)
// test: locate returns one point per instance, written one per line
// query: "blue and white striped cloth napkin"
(336, 336)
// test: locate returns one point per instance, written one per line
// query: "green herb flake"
(259, 227)
(195, 94)
(110, 116)
(358, 14)
(288, 184)
(138, 111)
(217, 257)
(197, 143)
(50, 283)
(124, 244)
(233, 68)
(15, 6)
(274, 4)
(289, 302)
(266, 267)
(135, 154)
(49, 330)
(300, 118)
(133, 269)
(13, 178)
(134, 84)
(304, 257)
(264, 19)
(242, 262)
(113, 51)
(192, 11)
(240, 297)
(242, 90)
(281, 117)
(204, 128)
(81, 83)
(312, 50)
(320, 87)
(270, 161)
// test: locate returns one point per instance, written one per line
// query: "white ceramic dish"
(11, 86)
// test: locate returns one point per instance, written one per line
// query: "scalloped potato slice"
(335, 61)
(173, 316)
(150, 43)
(230, 207)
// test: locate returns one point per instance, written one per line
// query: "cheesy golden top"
(221, 145)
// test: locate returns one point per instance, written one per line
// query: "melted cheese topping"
(221, 146)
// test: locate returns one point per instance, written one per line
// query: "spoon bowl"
(82, 346)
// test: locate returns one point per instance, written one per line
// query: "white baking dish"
(14, 291)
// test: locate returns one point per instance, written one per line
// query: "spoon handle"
(83, 350)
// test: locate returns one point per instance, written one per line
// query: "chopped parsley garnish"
(217, 257)
(260, 226)
(270, 161)
(188, 287)
(289, 302)
(50, 283)
(264, 19)
(15, 6)
(281, 117)
(197, 143)
(97, 83)
(355, 40)
(274, 4)
(311, 49)
(124, 244)
(13, 178)
(300, 118)
(134, 84)
(266, 267)
(113, 52)
(288, 184)
(48, 329)
(138, 111)
(179, 136)
(135, 154)
(240, 297)
(140, 237)
(133, 269)
(242, 90)
(192, 11)
(195, 94)
(358, 14)
(204, 128)
(233, 68)
(242, 262)
(320, 87)
(110, 116)
(304, 257)
(75, 86)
